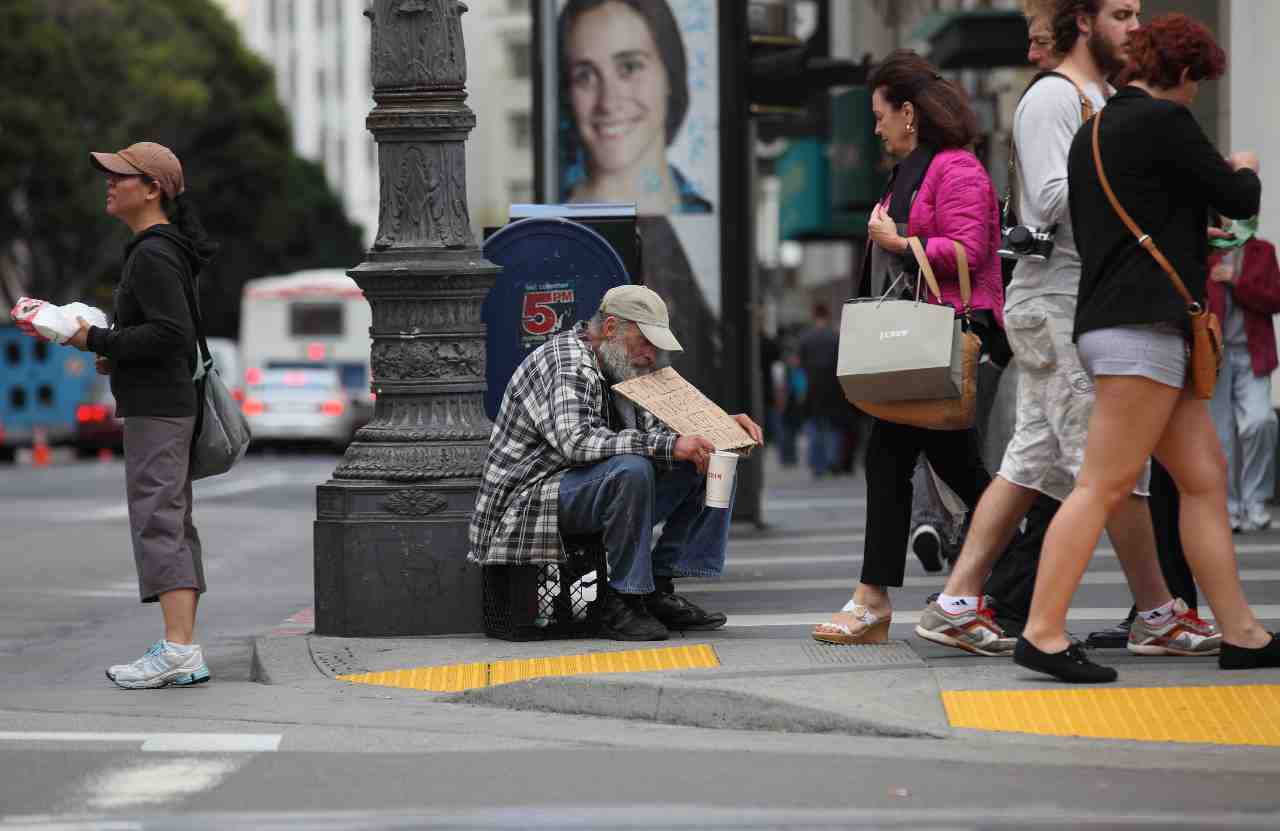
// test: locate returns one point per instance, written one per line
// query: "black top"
(819, 350)
(152, 341)
(1166, 174)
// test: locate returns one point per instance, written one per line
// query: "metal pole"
(391, 525)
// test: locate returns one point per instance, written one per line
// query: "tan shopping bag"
(917, 364)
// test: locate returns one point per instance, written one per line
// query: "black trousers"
(891, 458)
(1014, 576)
(1165, 505)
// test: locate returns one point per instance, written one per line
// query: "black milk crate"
(541, 602)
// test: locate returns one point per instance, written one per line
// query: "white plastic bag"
(45, 321)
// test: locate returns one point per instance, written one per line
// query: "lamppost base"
(389, 560)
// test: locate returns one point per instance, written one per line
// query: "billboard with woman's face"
(635, 90)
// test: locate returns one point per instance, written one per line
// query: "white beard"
(617, 366)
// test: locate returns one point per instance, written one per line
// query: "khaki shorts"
(1055, 400)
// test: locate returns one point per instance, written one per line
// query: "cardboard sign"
(685, 410)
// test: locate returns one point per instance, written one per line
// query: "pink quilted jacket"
(957, 202)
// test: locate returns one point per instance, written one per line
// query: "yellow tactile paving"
(459, 677)
(1245, 714)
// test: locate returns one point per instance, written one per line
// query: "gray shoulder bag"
(222, 434)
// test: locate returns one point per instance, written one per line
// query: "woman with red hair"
(1131, 330)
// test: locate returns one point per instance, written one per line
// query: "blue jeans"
(623, 497)
(824, 444)
(1241, 408)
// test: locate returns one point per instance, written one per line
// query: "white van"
(307, 320)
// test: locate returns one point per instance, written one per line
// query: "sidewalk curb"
(283, 661)
(613, 696)
(658, 698)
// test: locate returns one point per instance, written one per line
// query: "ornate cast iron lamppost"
(391, 526)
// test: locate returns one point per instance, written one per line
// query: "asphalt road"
(76, 753)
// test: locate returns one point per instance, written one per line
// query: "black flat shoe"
(1070, 665)
(1117, 637)
(1242, 657)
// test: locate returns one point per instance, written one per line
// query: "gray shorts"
(1156, 352)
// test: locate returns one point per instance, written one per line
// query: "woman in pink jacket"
(940, 193)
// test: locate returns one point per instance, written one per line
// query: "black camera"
(1022, 242)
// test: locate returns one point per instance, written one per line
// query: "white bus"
(308, 319)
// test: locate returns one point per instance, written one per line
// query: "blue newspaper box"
(554, 274)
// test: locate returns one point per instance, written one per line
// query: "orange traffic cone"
(40, 454)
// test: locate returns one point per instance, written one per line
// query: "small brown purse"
(1206, 331)
(939, 413)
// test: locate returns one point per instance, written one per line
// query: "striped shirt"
(556, 414)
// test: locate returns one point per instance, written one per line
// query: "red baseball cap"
(148, 159)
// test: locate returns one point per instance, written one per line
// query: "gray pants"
(1246, 425)
(166, 547)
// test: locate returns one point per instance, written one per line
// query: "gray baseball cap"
(643, 307)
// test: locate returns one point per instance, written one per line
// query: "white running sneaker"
(1185, 634)
(161, 666)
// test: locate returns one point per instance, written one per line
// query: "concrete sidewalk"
(898, 689)
(778, 679)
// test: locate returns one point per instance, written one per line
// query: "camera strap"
(1144, 239)
(1086, 113)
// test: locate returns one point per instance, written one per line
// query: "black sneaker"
(926, 543)
(1117, 637)
(681, 614)
(1242, 657)
(1070, 665)
(624, 617)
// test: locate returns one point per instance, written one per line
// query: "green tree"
(81, 75)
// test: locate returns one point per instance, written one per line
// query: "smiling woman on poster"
(625, 76)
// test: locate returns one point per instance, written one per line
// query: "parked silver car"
(299, 405)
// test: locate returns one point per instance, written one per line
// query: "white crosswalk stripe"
(912, 616)
(159, 742)
(1095, 578)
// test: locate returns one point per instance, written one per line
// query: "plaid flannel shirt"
(556, 414)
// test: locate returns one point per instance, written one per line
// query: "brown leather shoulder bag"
(1206, 331)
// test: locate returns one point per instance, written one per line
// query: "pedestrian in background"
(790, 391)
(825, 403)
(150, 355)
(1130, 329)
(940, 193)
(1244, 292)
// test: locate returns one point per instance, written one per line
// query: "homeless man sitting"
(569, 457)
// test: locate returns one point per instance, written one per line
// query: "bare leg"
(1195, 461)
(1129, 417)
(179, 610)
(875, 598)
(995, 521)
(1132, 534)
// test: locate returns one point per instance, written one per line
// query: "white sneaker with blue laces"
(162, 665)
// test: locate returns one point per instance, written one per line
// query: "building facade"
(320, 52)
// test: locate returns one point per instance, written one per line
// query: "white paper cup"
(721, 469)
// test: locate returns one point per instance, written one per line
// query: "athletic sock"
(180, 648)
(955, 605)
(1159, 616)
